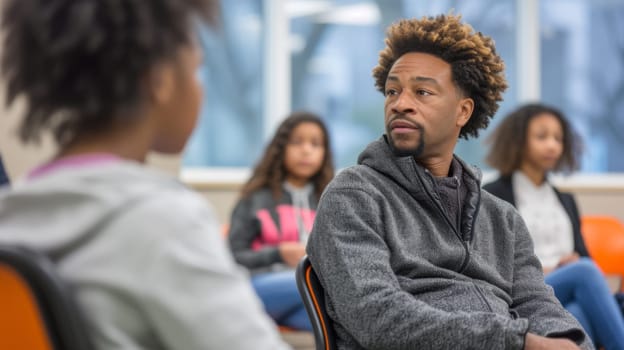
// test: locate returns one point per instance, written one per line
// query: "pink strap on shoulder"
(77, 161)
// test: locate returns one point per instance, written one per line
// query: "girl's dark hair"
(270, 171)
(80, 64)
(477, 70)
(508, 141)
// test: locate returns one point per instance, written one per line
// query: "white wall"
(18, 158)
(591, 201)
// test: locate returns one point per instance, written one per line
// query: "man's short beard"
(408, 152)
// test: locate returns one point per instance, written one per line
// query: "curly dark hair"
(508, 141)
(477, 70)
(270, 171)
(80, 63)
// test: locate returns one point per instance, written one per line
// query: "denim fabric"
(281, 299)
(583, 290)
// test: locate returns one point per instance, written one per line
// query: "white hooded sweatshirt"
(144, 256)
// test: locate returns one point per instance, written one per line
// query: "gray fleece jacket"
(144, 256)
(398, 275)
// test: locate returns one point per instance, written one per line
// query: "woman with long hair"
(531, 142)
(271, 222)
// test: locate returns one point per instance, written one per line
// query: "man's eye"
(391, 92)
(423, 93)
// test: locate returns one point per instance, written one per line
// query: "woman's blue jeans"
(281, 299)
(583, 291)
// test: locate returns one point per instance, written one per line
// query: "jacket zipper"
(482, 297)
(459, 205)
(471, 233)
(474, 218)
(464, 242)
(448, 221)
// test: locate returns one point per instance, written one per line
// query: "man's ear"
(160, 83)
(464, 109)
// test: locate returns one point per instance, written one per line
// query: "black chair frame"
(313, 297)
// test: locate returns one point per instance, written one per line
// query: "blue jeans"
(281, 299)
(583, 291)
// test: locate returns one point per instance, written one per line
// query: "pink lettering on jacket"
(287, 232)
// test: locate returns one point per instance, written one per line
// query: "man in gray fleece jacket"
(411, 253)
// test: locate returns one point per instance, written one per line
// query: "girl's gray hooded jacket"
(145, 256)
(397, 274)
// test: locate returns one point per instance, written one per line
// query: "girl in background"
(531, 142)
(270, 224)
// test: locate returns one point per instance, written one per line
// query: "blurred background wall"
(268, 57)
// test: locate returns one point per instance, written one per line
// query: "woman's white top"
(546, 219)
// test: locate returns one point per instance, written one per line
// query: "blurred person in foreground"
(113, 80)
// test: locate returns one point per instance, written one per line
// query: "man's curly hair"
(477, 70)
(80, 63)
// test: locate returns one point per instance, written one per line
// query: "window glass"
(335, 49)
(582, 46)
(334, 45)
(229, 130)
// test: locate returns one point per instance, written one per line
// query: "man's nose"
(403, 104)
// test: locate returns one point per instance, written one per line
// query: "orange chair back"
(604, 238)
(21, 325)
(37, 307)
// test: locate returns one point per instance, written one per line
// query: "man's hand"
(291, 252)
(536, 342)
